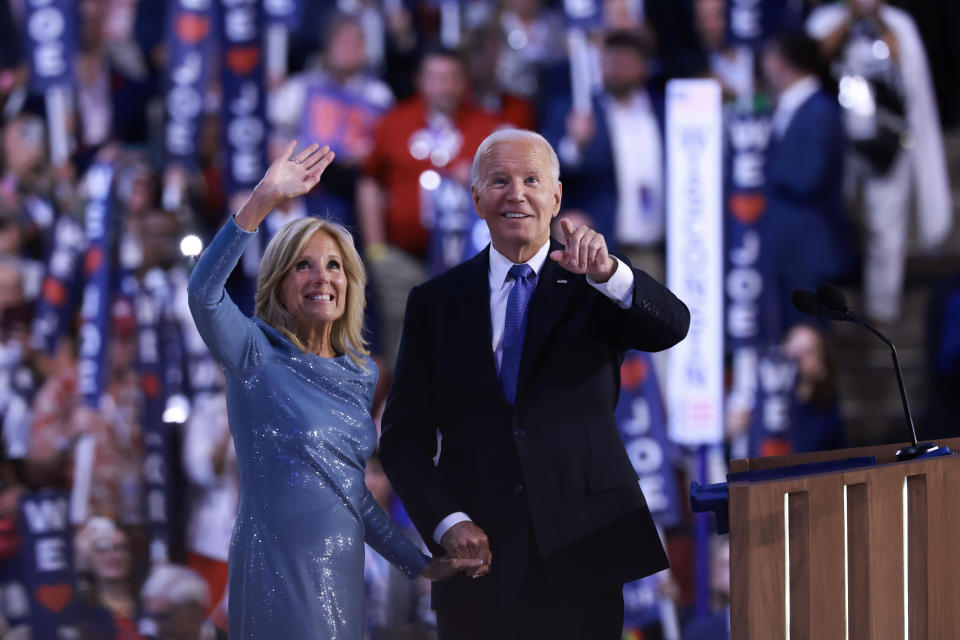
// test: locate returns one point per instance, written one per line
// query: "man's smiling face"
(517, 195)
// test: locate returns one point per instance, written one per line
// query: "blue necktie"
(514, 326)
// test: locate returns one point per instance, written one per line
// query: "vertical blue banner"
(243, 111)
(51, 41)
(770, 420)
(456, 233)
(95, 313)
(47, 561)
(189, 41)
(642, 421)
(59, 293)
(151, 368)
(762, 379)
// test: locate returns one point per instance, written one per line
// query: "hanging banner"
(152, 367)
(695, 258)
(47, 562)
(642, 421)
(751, 320)
(51, 42)
(456, 233)
(189, 41)
(95, 313)
(243, 111)
(59, 294)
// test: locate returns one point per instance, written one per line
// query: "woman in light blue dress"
(300, 384)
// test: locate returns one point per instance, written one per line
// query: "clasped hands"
(468, 550)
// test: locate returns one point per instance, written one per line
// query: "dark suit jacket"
(806, 223)
(554, 461)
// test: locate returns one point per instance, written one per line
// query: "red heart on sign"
(748, 207)
(54, 597)
(192, 28)
(54, 292)
(93, 260)
(633, 372)
(242, 60)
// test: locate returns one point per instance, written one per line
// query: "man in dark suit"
(806, 225)
(612, 156)
(514, 357)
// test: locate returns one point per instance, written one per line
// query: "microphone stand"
(829, 302)
(916, 449)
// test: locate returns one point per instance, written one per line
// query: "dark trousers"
(562, 598)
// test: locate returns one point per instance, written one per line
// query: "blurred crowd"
(404, 94)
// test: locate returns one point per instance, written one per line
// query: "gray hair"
(179, 585)
(505, 135)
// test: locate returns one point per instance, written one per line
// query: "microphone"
(830, 302)
(808, 303)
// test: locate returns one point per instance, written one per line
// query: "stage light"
(191, 246)
(429, 179)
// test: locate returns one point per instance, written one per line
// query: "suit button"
(520, 433)
(518, 489)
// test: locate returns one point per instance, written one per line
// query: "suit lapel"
(553, 290)
(474, 318)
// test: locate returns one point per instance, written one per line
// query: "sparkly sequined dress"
(302, 430)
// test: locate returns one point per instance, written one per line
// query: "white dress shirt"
(618, 288)
(638, 163)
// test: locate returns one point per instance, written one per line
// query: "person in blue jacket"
(300, 383)
(806, 222)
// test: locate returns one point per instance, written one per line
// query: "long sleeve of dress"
(228, 333)
(389, 540)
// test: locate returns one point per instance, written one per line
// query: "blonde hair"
(346, 335)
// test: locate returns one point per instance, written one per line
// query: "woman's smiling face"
(314, 290)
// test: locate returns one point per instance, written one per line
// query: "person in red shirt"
(439, 131)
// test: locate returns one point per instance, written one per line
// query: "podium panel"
(866, 553)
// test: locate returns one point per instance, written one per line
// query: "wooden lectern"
(866, 553)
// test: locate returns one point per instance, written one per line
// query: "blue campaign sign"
(189, 42)
(285, 12)
(641, 419)
(47, 561)
(585, 14)
(456, 233)
(98, 265)
(751, 318)
(751, 22)
(59, 293)
(642, 604)
(150, 365)
(243, 111)
(342, 119)
(51, 41)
